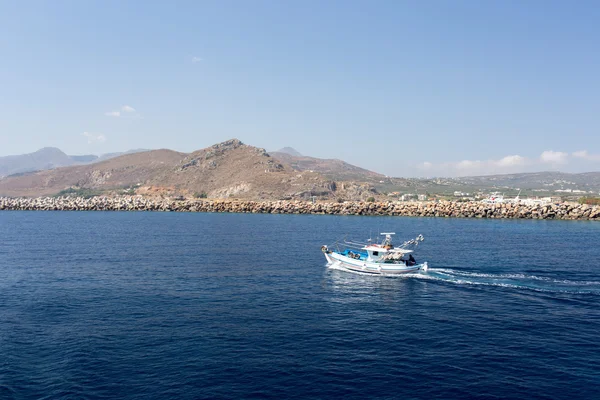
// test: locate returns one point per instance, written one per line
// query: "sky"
(405, 88)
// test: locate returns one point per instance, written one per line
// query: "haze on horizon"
(402, 88)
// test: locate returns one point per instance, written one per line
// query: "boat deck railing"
(343, 244)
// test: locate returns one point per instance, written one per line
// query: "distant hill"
(331, 168)
(224, 170)
(48, 158)
(108, 156)
(290, 151)
(537, 180)
(529, 184)
(88, 158)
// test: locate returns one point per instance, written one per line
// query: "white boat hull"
(372, 267)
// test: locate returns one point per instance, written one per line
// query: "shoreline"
(442, 209)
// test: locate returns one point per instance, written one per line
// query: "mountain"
(224, 170)
(48, 158)
(234, 169)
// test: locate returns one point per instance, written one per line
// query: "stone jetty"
(565, 211)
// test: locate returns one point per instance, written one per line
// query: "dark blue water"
(166, 305)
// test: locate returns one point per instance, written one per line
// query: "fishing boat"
(373, 258)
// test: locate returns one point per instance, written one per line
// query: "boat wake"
(514, 281)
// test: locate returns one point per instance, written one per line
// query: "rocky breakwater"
(565, 211)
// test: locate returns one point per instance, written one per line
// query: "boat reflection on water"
(352, 287)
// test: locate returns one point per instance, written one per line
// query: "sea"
(142, 305)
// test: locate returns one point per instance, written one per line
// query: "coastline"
(443, 209)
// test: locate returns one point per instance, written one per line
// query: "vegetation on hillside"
(79, 192)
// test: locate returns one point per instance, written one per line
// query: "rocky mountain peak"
(228, 145)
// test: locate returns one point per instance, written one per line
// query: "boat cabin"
(379, 253)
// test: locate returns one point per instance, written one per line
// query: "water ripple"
(159, 305)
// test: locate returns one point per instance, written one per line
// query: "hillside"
(225, 170)
(331, 168)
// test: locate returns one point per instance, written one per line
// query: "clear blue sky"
(407, 88)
